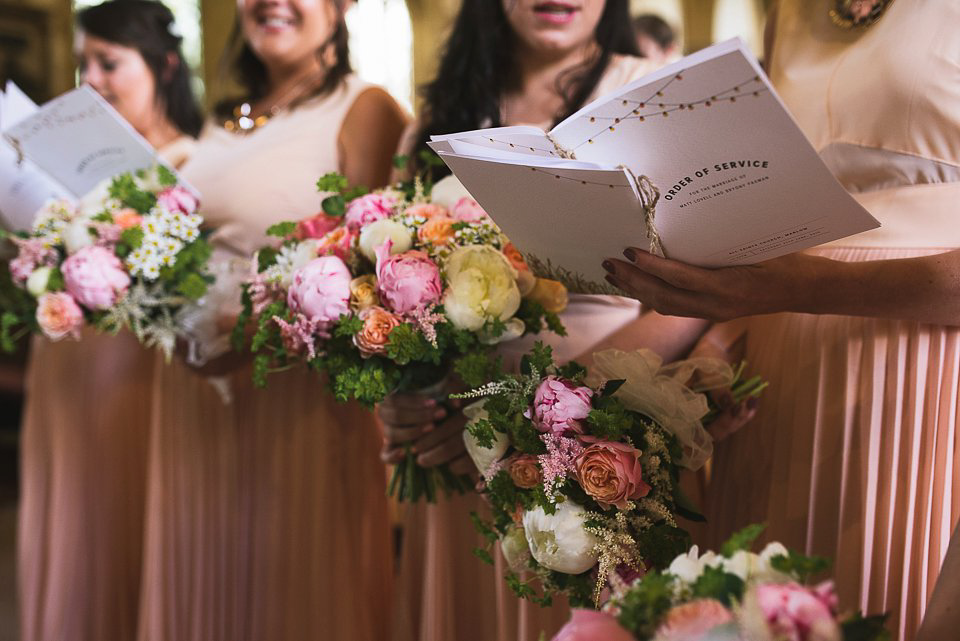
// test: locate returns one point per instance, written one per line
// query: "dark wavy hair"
(477, 68)
(242, 65)
(145, 25)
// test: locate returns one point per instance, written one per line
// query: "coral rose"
(127, 218)
(59, 315)
(95, 277)
(693, 621)
(178, 199)
(321, 291)
(524, 471)
(559, 406)
(336, 243)
(610, 473)
(377, 325)
(407, 281)
(515, 257)
(367, 209)
(316, 226)
(428, 211)
(590, 625)
(436, 231)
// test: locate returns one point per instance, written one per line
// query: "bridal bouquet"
(386, 292)
(129, 255)
(582, 472)
(735, 595)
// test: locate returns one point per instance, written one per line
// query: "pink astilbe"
(301, 335)
(108, 234)
(559, 461)
(426, 320)
(33, 253)
(263, 293)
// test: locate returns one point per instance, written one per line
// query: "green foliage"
(333, 182)
(644, 606)
(265, 258)
(799, 565)
(193, 286)
(165, 177)
(348, 326)
(482, 430)
(124, 188)
(400, 162)
(130, 239)
(56, 283)
(335, 205)
(715, 583)
(742, 540)
(609, 420)
(282, 230)
(477, 367)
(539, 359)
(483, 555)
(860, 628)
(406, 345)
(238, 335)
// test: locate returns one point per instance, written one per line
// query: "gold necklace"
(860, 14)
(243, 121)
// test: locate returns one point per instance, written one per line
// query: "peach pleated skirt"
(267, 518)
(854, 451)
(83, 476)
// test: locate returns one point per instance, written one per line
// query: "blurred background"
(394, 43)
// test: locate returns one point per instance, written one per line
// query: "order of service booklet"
(738, 182)
(62, 149)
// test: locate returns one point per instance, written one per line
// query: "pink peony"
(321, 291)
(95, 277)
(407, 281)
(590, 625)
(610, 473)
(797, 613)
(467, 210)
(178, 199)
(367, 209)
(59, 315)
(317, 227)
(559, 405)
(693, 621)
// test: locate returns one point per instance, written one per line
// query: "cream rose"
(377, 233)
(363, 292)
(515, 550)
(482, 286)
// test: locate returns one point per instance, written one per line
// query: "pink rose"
(59, 315)
(321, 291)
(317, 226)
(95, 277)
(590, 625)
(407, 281)
(428, 211)
(559, 405)
(610, 473)
(178, 199)
(798, 613)
(467, 210)
(367, 209)
(693, 621)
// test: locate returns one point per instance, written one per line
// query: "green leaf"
(643, 607)
(333, 181)
(610, 387)
(334, 206)
(483, 432)
(400, 161)
(715, 583)
(477, 367)
(132, 237)
(541, 357)
(56, 283)
(799, 565)
(743, 539)
(483, 555)
(166, 177)
(860, 628)
(124, 188)
(348, 326)
(193, 286)
(355, 192)
(406, 344)
(265, 258)
(282, 230)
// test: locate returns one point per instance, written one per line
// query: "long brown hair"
(242, 65)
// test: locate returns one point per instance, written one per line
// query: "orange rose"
(377, 325)
(428, 211)
(515, 257)
(549, 293)
(127, 218)
(436, 231)
(524, 471)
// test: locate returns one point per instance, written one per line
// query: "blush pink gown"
(267, 517)
(853, 453)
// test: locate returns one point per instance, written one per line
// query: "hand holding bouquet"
(129, 256)
(735, 595)
(384, 293)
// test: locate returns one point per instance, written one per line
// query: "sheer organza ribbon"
(672, 395)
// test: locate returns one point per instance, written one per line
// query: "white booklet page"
(738, 181)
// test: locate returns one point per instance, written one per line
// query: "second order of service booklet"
(738, 182)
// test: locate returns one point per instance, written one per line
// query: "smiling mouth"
(555, 10)
(274, 22)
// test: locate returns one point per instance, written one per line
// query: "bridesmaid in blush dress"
(267, 516)
(85, 429)
(853, 452)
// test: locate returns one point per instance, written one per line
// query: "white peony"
(93, 202)
(377, 233)
(77, 235)
(448, 191)
(37, 281)
(483, 457)
(481, 287)
(515, 549)
(560, 541)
